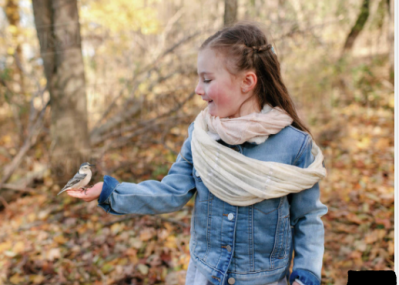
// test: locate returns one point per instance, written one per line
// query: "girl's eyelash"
(207, 81)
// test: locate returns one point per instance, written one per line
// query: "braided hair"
(250, 49)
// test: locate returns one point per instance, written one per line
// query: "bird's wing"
(76, 179)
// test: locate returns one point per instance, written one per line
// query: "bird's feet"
(84, 189)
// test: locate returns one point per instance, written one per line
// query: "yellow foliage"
(31, 217)
(6, 139)
(116, 228)
(364, 143)
(121, 15)
(382, 143)
(5, 246)
(60, 239)
(17, 279)
(12, 29)
(184, 261)
(10, 50)
(171, 242)
(18, 247)
(392, 102)
(391, 247)
(37, 279)
(43, 81)
(146, 234)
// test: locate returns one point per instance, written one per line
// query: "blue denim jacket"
(249, 245)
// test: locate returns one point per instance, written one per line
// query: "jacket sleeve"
(151, 196)
(308, 228)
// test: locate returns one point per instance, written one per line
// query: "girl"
(255, 169)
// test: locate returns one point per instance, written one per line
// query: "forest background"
(112, 82)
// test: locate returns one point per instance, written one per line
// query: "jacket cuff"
(109, 185)
(305, 276)
(299, 281)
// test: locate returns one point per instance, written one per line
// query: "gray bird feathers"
(81, 178)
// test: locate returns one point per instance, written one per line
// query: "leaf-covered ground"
(359, 191)
(48, 239)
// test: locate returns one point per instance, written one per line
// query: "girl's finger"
(76, 194)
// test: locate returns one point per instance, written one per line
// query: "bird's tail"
(62, 190)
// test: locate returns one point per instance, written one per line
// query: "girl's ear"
(249, 81)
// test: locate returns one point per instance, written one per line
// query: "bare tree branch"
(358, 27)
(29, 142)
(111, 123)
(148, 68)
(18, 188)
(147, 126)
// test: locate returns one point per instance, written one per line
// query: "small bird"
(80, 180)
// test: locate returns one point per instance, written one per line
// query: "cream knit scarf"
(240, 180)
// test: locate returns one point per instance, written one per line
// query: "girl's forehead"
(210, 53)
(209, 59)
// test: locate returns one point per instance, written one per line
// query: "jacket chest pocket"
(203, 194)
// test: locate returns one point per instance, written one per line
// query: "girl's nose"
(198, 89)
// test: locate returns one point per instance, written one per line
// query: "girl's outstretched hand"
(91, 193)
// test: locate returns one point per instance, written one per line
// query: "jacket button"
(228, 249)
(230, 216)
(231, 280)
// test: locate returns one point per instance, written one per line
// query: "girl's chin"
(215, 115)
(213, 112)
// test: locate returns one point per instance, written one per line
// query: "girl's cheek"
(222, 100)
(215, 93)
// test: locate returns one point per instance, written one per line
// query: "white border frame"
(396, 164)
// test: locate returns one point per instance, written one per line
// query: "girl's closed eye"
(207, 80)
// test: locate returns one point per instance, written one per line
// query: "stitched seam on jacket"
(256, 272)
(221, 238)
(195, 217)
(283, 239)
(209, 225)
(276, 234)
(252, 241)
(301, 149)
(270, 211)
(185, 158)
(214, 268)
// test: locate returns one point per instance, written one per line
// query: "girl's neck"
(248, 107)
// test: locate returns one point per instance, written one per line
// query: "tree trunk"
(230, 12)
(358, 27)
(58, 30)
(391, 40)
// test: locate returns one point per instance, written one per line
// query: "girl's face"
(221, 90)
